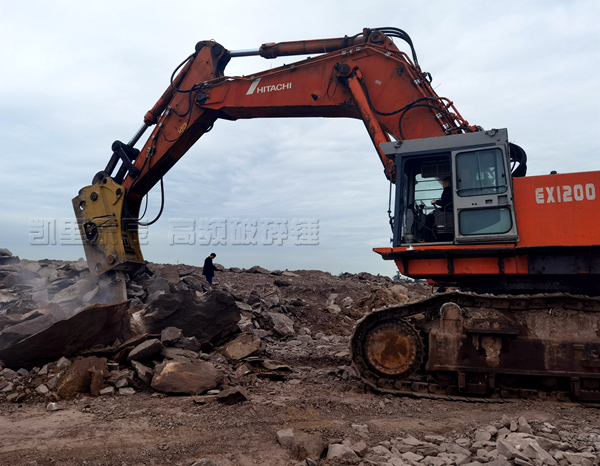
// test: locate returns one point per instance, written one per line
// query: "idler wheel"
(394, 349)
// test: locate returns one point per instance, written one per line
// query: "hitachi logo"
(271, 88)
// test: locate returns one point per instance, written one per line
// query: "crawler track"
(483, 347)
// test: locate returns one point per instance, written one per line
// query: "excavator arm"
(362, 77)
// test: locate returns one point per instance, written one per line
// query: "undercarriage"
(488, 347)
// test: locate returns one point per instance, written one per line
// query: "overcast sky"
(77, 75)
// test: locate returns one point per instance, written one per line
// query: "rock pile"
(53, 310)
(505, 443)
(50, 309)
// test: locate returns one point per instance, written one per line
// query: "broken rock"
(211, 317)
(282, 324)
(170, 335)
(187, 378)
(342, 452)
(232, 395)
(242, 346)
(143, 372)
(145, 350)
(78, 377)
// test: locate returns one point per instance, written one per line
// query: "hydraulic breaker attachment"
(110, 240)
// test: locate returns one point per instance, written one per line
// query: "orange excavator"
(521, 255)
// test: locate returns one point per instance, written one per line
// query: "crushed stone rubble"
(506, 442)
(214, 343)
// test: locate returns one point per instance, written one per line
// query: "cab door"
(483, 199)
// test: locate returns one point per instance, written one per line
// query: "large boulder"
(95, 325)
(211, 317)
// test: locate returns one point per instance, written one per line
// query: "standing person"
(209, 269)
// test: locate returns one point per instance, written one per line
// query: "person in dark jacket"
(209, 269)
(446, 198)
(442, 203)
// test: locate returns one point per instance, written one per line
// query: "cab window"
(480, 173)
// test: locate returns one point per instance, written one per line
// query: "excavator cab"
(477, 166)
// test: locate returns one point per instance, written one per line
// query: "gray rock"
(282, 324)
(499, 462)
(107, 391)
(410, 457)
(70, 298)
(412, 441)
(482, 436)
(381, 450)
(145, 350)
(197, 283)
(42, 389)
(434, 461)
(179, 354)
(8, 373)
(456, 449)
(171, 335)
(9, 387)
(169, 273)
(347, 301)
(53, 382)
(334, 309)
(509, 450)
(143, 372)
(306, 446)
(155, 286)
(243, 306)
(582, 458)
(52, 407)
(126, 391)
(122, 382)
(523, 426)
(190, 344)
(342, 452)
(285, 437)
(211, 317)
(360, 448)
(463, 442)
(258, 269)
(63, 363)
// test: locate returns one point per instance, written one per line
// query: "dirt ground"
(320, 395)
(146, 429)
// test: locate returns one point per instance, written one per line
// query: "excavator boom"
(362, 77)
